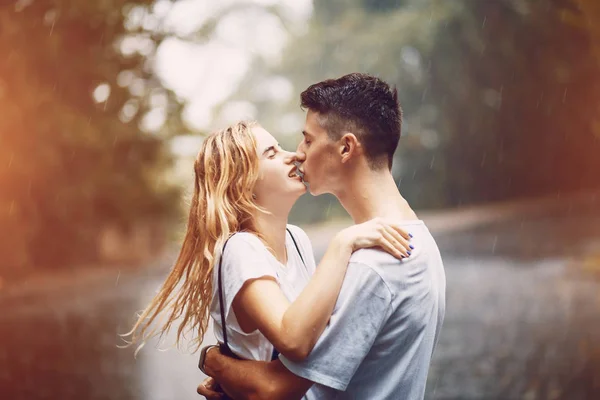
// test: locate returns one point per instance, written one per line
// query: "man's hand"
(209, 388)
(246, 379)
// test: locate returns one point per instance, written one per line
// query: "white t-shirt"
(383, 330)
(246, 257)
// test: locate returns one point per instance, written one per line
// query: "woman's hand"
(378, 232)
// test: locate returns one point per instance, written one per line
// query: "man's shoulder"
(373, 258)
(365, 271)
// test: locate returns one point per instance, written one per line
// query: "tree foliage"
(500, 98)
(69, 165)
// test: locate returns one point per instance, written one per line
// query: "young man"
(381, 335)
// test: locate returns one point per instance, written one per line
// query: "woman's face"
(278, 184)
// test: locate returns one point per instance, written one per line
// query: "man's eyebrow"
(268, 149)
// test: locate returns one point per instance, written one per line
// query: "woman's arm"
(295, 328)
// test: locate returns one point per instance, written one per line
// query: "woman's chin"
(297, 192)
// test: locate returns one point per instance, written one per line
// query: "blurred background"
(103, 106)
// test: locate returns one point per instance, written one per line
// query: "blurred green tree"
(499, 97)
(73, 159)
(517, 88)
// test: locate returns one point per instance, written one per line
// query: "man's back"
(384, 328)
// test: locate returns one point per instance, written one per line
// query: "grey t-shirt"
(384, 327)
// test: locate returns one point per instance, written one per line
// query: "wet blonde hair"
(226, 171)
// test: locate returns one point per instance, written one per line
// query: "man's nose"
(300, 155)
(292, 157)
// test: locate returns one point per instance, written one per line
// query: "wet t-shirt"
(381, 336)
(245, 258)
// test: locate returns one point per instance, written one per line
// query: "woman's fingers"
(401, 231)
(393, 246)
(386, 234)
(404, 242)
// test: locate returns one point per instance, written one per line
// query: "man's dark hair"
(361, 104)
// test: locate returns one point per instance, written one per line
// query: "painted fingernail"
(408, 253)
(410, 234)
(411, 246)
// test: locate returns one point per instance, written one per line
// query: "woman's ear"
(349, 147)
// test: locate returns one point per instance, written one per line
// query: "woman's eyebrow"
(268, 149)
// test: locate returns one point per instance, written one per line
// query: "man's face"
(317, 152)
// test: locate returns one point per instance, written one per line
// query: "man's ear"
(349, 147)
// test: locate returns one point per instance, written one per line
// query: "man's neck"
(371, 194)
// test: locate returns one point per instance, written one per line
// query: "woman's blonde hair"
(226, 171)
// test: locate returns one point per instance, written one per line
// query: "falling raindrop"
(494, 245)
(118, 276)
(328, 211)
(432, 162)
(484, 20)
(564, 96)
(21, 4)
(50, 19)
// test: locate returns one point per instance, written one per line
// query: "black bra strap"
(225, 346)
(296, 245)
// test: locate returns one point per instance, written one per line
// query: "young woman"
(242, 264)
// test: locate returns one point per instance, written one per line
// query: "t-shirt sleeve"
(245, 258)
(362, 308)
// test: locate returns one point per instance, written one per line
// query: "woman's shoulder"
(299, 235)
(244, 247)
(245, 240)
(297, 231)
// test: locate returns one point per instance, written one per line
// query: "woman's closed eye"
(274, 151)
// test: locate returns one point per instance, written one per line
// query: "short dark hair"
(361, 104)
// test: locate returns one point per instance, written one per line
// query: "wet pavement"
(522, 322)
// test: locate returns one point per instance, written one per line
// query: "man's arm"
(363, 306)
(254, 380)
